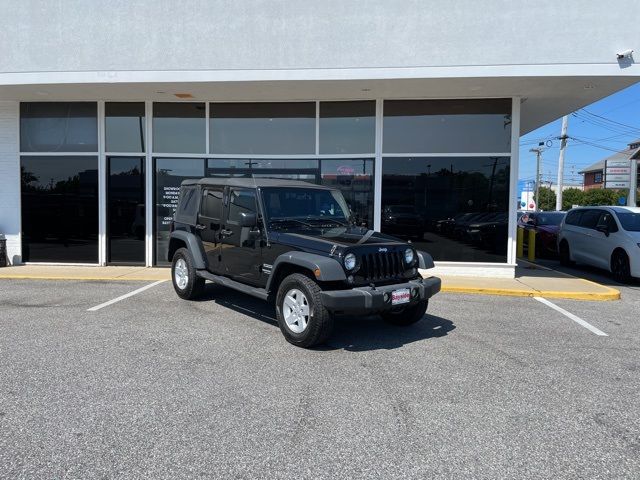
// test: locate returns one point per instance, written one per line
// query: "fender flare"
(194, 245)
(425, 261)
(330, 268)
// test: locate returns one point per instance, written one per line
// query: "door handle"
(226, 233)
(199, 226)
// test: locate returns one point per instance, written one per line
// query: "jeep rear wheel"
(406, 316)
(183, 275)
(302, 318)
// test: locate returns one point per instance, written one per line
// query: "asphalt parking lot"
(152, 386)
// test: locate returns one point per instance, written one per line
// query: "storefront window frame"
(377, 157)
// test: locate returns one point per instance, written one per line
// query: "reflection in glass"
(58, 127)
(347, 127)
(59, 209)
(455, 208)
(179, 128)
(447, 126)
(125, 210)
(263, 128)
(169, 173)
(354, 177)
(124, 126)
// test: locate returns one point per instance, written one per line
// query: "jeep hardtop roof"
(251, 182)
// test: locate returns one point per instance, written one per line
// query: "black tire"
(319, 320)
(565, 254)
(194, 285)
(620, 267)
(406, 316)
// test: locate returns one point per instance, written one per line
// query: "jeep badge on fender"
(294, 244)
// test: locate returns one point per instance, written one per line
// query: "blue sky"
(596, 138)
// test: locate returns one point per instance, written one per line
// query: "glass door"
(126, 224)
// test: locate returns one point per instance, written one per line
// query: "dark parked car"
(546, 225)
(294, 244)
(402, 220)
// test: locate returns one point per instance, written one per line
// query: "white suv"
(605, 237)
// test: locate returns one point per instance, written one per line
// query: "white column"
(148, 188)
(513, 179)
(10, 221)
(102, 188)
(377, 179)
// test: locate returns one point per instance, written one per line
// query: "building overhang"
(547, 92)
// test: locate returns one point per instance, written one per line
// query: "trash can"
(3, 251)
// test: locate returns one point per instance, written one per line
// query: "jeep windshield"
(300, 208)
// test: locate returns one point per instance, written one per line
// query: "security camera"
(625, 54)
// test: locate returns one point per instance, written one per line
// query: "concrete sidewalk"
(531, 280)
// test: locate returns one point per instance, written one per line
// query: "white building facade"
(413, 109)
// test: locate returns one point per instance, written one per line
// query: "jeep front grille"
(381, 266)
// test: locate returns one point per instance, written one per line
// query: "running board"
(260, 293)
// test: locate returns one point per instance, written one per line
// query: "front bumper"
(363, 300)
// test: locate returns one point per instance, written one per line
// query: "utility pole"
(563, 145)
(633, 183)
(538, 152)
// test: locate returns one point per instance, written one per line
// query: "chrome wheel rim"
(181, 274)
(295, 310)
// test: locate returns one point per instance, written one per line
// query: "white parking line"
(122, 297)
(573, 317)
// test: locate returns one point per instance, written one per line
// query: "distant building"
(594, 175)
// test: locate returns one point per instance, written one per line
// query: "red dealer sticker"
(400, 296)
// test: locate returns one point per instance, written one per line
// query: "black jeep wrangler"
(296, 244)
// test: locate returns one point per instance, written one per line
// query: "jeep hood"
(323, 240)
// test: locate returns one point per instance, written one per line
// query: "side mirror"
(603, 228)
(248, 219)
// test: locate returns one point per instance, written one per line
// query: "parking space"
(157, 387)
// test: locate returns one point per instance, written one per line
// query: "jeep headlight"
(349, 261)
(408, 256)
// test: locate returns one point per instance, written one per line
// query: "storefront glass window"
(455, 208)
(59, 209)
(347, 127)
(286, 128)
(124, 126)
(179, 128)
(58, 127)
(447, 126)
(169, 173)
(354, 177)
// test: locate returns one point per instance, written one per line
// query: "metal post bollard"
(531, 249)
(520, 243)
(3, 251)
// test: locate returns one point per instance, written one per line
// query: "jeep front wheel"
(183, 274)
(407, 315)
(302, 318)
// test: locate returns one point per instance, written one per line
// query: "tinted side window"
(212, 204)
(188, 202)
(573, 218)
(590, 218)
(241, 201)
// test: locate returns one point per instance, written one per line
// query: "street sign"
(617, 178)
(617, 184)
(617, 174)
(618, 163)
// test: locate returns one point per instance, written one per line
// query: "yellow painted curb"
(609, 295)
